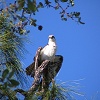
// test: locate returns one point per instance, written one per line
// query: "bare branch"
(37, 76)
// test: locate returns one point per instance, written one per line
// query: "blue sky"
(78, 44)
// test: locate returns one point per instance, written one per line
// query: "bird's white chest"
(48, 52)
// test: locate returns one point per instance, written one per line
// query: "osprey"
(48, 53)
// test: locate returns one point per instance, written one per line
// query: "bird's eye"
(52, 37)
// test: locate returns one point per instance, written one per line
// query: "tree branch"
(37, 76)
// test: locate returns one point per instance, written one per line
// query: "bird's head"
(52, 39)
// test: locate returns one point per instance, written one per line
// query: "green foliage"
(21, 4)
(5, 73)
(11, 41)
(7, 84)
(61, 91)
(12, 37)
(55, 91)
(14, 82)
(32, 6)
(33, 22)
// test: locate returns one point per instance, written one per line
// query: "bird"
(48, 52)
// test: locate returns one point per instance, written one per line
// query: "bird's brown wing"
(30, 70)
(50, 72)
